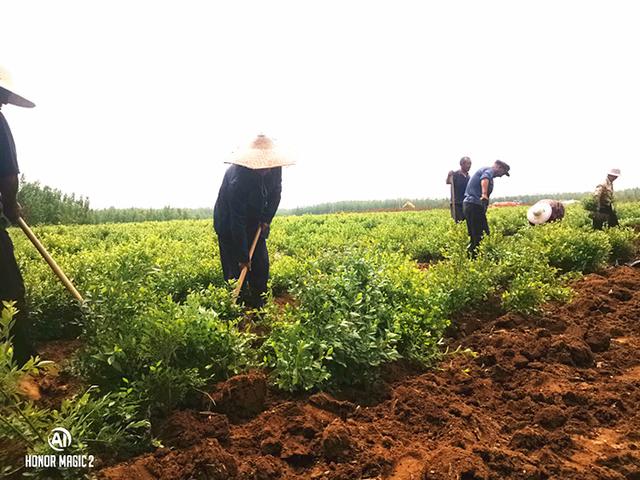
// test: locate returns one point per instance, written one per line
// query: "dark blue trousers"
(256, 282)
(477, 225)
(12, 289)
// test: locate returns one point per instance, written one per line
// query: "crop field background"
(354, 297)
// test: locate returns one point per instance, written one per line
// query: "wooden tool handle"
(243, 273)
(52, 263)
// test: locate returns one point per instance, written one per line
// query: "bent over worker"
(476, 201)
(11, 284)
(248, 200)
(544, 211)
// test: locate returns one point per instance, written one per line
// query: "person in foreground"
(247, 201)
(476, 202)
(458, 181)
(11, 283)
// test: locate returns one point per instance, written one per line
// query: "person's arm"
(484, 198)
(601, 195)
(9, 191)
(484, 184)
(449, 178)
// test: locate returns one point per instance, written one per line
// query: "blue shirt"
(473, 193)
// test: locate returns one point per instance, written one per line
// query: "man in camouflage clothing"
(604, 202)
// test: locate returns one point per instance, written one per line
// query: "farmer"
(545, 211)
(476, 201)
(11, 284)
(248, 200)
(458, 181)
(604, 202)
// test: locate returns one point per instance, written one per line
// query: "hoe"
(244, 271)
(49, 259)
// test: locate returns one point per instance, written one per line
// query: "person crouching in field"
(545, 211)
(476, 201)
(11, 284)
(458, 181)
(248, 199)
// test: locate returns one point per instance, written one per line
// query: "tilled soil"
(56, 384)
(552, 396)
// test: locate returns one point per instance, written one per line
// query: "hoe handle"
(243, 273)
(52, 263)
(454, 213)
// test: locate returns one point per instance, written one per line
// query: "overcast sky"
(140, 102)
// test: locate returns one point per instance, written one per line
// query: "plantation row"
(361, 289)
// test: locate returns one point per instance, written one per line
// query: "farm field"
(548, 396)
(384, 352)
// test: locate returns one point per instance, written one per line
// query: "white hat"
(260, 154)
(6, 85)
(614, 172)
(539, 213)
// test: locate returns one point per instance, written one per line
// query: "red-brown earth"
(553, 396)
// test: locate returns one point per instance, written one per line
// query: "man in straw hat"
(476, 201)
(545, 211)
(11, 284)
(458, 181)
(604, 202)
(248, 200)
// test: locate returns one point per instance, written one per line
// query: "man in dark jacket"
(11, 284)
(247, 201)
(476, 201)
(458, 181)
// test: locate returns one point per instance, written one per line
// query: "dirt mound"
(336, 441)
(185, 428)
(241, 397)
(451, 462)
(206, 460)
(551, 396)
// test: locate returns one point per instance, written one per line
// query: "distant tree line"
(366, 206)
(42, 204)
(46, 205)
(628, 195)
(122, 215)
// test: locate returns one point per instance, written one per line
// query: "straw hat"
(614, 172)
(539, 213)
(6, 86)
(260, 154)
